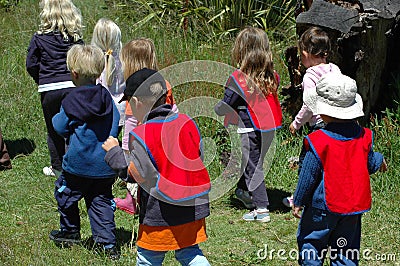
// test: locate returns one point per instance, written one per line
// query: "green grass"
(28, 209)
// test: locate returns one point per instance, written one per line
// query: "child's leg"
(99, 203)
(67, 194)
(149, 257)
(258, 145)
(345, 241)
(315, 233)
(51, 104)
(191, 256)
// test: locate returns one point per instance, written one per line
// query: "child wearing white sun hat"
(334, 183)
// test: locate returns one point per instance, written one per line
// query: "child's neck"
(318, 61)
(85, 82)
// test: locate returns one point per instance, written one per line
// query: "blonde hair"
(107, 36)
(138, 54)
(62, 16)
(86, 60)
(253, 55)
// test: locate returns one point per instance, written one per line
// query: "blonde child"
(107, 36)
(60, 28)
(135, 55)
(315, 47)
(334, 183)
(173, 182)
(86, 118)
(251, 102)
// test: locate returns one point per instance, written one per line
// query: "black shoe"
(112, 253)
(64, 238)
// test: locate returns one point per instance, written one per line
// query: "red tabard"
(265, 111)
(173, 146)
(345, 165)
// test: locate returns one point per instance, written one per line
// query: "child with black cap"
(165, 160)
(334, 182)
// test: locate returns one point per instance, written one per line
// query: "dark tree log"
(366, 38)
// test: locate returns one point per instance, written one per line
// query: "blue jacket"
(87, 117)
(310, 187)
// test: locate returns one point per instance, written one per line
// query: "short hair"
(315, 41)
(62, 16)
(137, 54)
(86, 60)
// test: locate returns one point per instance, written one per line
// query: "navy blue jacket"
(87, 117)
(46, 59)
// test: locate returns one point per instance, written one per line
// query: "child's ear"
(74, 74)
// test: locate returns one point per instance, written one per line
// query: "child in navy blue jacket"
(60, 28)
(334, 184)
(86, 119)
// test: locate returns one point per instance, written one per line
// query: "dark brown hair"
(315, 41)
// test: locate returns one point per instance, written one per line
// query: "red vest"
(173, 145)
(265, 112)
(345, 170)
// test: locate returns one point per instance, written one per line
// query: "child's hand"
(384, 166)
(110, 143)
(296, 211)
(292, 129)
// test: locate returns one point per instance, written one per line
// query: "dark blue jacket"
(46, 59)
(87, 117)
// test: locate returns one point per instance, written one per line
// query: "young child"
(315, 46)
(107, 36)
(334, 183)
(86, 118)
(251, 99)
(166, 163)
(135, 55)
(60, 28)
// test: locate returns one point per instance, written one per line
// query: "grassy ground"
(28, 210)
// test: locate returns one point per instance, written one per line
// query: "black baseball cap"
(138, 83)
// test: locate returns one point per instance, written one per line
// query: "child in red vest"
(251, 102)
(334, 184)
(165, 160)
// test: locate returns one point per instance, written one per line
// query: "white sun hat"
(336, 96)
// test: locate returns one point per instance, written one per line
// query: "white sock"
(262, 210)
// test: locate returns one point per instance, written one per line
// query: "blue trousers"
(69, 189)
(189, 256)
(319, 229)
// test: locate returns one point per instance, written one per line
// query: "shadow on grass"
(124, 237)
(17, 147)
(275, 197)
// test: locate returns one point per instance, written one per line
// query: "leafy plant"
(217, 17)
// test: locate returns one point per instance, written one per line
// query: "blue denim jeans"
(320, 229)
(190, 256)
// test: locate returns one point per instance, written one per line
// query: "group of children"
(120, 88)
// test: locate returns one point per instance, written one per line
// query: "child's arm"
(115, 157)
(61, 123)
(309, 178)
(115, 121)
(33, 60)
(376, 162)
(228, 103)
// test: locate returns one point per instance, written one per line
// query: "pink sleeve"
(305, 114)
(130, 124)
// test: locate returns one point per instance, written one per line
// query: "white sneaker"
(48, 170)
(288, 201)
